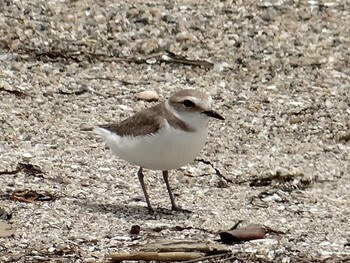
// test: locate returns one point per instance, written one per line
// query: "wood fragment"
(186, 246)
(30, 196)
(148, 256)
(17, 93)
(247, 233)
(217, 256)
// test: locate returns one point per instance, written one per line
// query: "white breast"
(169, 149)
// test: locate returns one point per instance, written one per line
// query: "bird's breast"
(168, 149)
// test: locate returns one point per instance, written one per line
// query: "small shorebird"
(163, 137)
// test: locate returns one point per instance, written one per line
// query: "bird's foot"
(151, 211)
(179, 209)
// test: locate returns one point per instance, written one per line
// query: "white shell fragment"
(147, 95)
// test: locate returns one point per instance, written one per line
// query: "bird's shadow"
(131, 211)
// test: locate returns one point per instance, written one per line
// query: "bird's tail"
(103, 132)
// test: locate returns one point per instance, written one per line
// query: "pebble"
(27, 155)
(147, 95)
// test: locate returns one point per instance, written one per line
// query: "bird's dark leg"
(166, 179)
(140, 175)
(172, 199)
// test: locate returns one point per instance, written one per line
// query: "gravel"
(280, 76)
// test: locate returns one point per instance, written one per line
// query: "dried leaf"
(30, 169)
(17, 93)
(30, 196)
(247, 233)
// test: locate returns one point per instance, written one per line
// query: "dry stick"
(208, 257)
(217, 171)
(148, 256)
(9, 172)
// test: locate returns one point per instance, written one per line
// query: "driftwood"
(193, 251)
(186, 246)
(247, 233)
(172, 251)
(159, 256)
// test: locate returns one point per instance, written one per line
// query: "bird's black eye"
(188, 103)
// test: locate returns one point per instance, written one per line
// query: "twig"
(208, 257)
(148, 256)
(15, 92)
(217, 171)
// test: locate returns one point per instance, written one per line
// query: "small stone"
(271, 87)
(75, 167)
(6, 230)
(3, 56)
(132, 12)
(27, 155)
(148, 46)
(147, 95)
(85, 183)
(271, 255)
(138, 198)
(186, 36)
(135, 229)
(221, 66)
(104, 169)
(151, 61)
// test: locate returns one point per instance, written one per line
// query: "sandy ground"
(280, 75)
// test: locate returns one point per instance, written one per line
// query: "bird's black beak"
(213, 114)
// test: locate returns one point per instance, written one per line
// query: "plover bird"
(163, 137)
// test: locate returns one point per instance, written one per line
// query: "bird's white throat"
(194, 120)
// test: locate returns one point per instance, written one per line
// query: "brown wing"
(142, 123)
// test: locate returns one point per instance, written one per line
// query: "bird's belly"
(165, 150)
